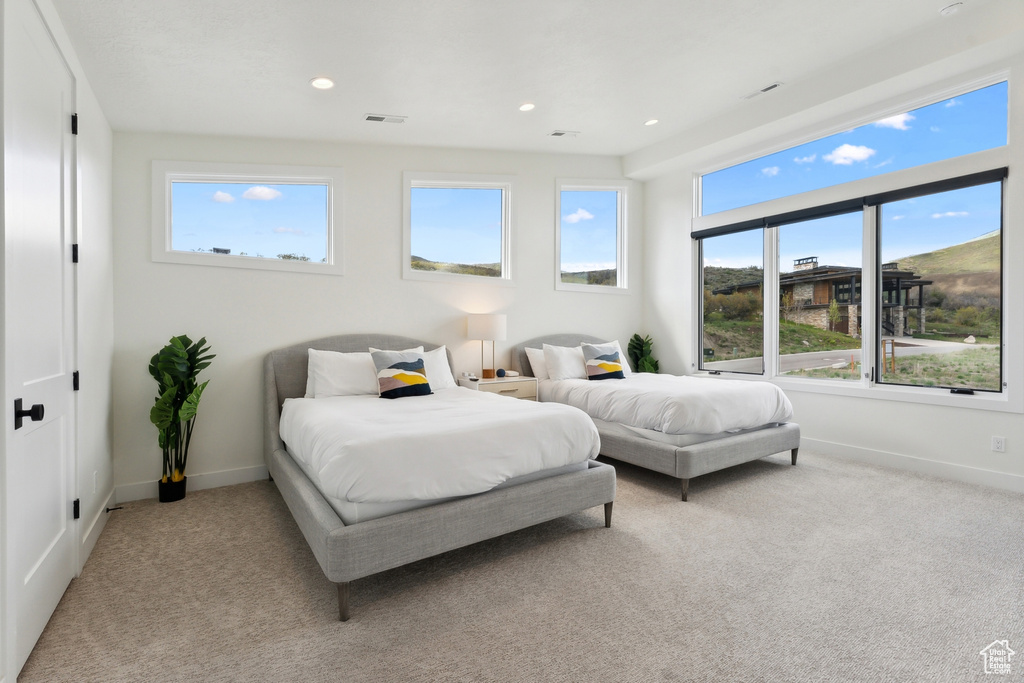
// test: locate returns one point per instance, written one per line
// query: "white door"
(39, 166)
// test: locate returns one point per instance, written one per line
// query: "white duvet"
(455, 442)
(673, 404)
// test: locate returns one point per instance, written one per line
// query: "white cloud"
(577, 216)
(952, 103)
(897, 218)
(293, 231)
(950, 214)
(805, 160)
(770, 171)
(883, 163)
(935, 129)
(845, 155)
(899, 122)
(261, 193)
(222, 197)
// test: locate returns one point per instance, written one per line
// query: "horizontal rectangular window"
(591, 236)
(244, 216)
(457, 227)
(952, 127)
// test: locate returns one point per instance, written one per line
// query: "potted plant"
(175, 368)
(639, 350)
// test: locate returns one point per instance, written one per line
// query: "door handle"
(35, 413)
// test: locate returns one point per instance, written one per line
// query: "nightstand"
(516, 387)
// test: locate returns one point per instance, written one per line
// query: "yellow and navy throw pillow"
(400, 374)
(603, 361)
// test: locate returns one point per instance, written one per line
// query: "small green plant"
(175, 368)
(639, 351)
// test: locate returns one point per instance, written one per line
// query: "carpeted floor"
(830, 570)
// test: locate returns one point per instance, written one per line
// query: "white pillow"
(332, 373)
(435, 364)
(415, 349)
(537, 364)
(565, 362)
(439, 373)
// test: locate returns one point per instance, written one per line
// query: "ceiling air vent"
(767, 88)
(563, 133)
(385, 118)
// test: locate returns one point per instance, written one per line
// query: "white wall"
(246, 313)
(945, 441)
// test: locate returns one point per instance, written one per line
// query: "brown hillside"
(983, 284)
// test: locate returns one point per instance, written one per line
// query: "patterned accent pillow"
(603, 361)
(400, 373)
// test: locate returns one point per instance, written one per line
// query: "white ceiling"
(459, 69)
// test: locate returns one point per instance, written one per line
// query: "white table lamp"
(487, 327)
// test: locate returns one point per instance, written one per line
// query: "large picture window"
(591, 236)
(246, 216)
(893, 280)
(457, 227)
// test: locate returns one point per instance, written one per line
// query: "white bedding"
(673, 404)
(455, 442)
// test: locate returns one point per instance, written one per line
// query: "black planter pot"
(171, 491)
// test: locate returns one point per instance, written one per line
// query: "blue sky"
(589, 225)
(456, 225)
(966, 123)
(257, 220)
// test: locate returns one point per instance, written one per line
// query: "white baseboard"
(196, 482)
(964, 473)
(92, 533)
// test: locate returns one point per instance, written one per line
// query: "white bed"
(371, 457)
(681, 426)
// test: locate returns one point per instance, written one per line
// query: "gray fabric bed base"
(346, 553)
(686, 462)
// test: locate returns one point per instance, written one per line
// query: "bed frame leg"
(684, 485)
(608, 515)
(795, 451)
(343, 601)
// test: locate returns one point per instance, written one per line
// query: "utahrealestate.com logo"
(997, 657)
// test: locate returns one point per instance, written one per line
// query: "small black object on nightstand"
(500, 372)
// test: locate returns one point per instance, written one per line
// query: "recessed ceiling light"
(322, 83)
(650, 122)
(951, 9)
(527, 107)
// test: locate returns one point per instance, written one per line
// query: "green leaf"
(191, 405)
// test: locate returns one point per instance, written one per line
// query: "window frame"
(164, 173)
(505, 183)
(1009, 399)
(621, 234)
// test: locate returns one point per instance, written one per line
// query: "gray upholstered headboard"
(522, 363)
(284, 372)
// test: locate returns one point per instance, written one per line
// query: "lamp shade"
(486, 326)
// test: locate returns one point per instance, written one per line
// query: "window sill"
(1001, 402)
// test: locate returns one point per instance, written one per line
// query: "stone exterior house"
(807, 291)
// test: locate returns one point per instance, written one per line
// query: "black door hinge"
(74, 380)
(74, 253)
(74, 124)
(76, 509)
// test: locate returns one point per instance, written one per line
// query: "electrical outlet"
(998, 444)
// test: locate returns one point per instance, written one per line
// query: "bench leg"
(795, 451)
(343, 601)
(608, 515)
(684, 485)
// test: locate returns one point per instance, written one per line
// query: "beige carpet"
(825, 571)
